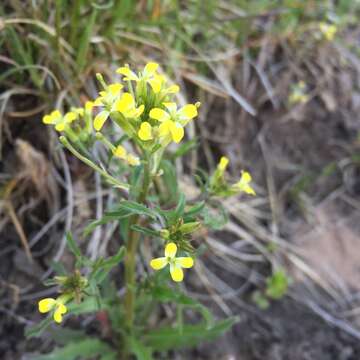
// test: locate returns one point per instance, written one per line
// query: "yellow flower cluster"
(176, 263)
(142, 106)
(328, 30)
(219, 186)
(298, 94)
(56, 305)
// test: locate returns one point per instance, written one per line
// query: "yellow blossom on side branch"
(176, 263)
(57, 305)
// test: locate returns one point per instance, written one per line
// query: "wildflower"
(49, 304)
(124, 105)
(60, 121)
(298, 94)
(176, 263)
(244, 184)
(328, 30)
(147, 74)
(121, 153)
(145, 132)
(127, 107)
(157, 84)
(224, 161)
(106, 99)
(173, 120)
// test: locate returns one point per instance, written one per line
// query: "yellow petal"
(164, 128)
(45, 305)
(47, 119)
(177, 131)
(69, 117)
(176, 273)
(55, 114)
(100, 119)
(224, 161)
(188, 112)
(120, 152)
(173, 89)
(185, 262)
(61, 309)
(171, 106)
(243, 184)
(150, 69)
(159, 114)
(125, 103)
(144, 132)
(60, 126)
(170, 250)
(128, 73)
(99, 101)
(133, 160)
(155, 85)
(114, 89)
(89, 105)
(158, 263)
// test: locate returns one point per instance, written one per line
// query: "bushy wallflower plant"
(136, 120)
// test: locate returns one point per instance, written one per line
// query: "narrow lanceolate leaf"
(135, 208)
(74, 248)
(86, 349)
(38, 329)
(167, 338)
(145, 231)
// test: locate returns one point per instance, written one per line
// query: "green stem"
(88, 162)
(130, 260)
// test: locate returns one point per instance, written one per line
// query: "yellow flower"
(148, 72)
(126, 106)
(60, 121)
(224, 161)
(173, 120)
(176, 263)
(244, 184)
(133, 160)
(107, 98)
(49, 304)
(121, 153)
(157, 84)
(145, 132)
(328, 30)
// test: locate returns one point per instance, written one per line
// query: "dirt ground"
(306, 160)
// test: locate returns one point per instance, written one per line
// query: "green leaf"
(89, 305)
(194, 210)
(135, 208)
(167, 338)
(185, 148)
(108, 216)
(141, 351)
(145, 231)
(103, 266)
(87, 348)
(74, 248)
(38, 329)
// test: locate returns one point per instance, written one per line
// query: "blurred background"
(279, 84)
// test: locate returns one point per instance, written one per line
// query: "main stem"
(130, 260)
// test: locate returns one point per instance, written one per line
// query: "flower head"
(176, 263)
(243, 184)
(224, 161)
(328, 30)
(121, 153)
(49, 304)
(58, 120)
(147, 74)
(173, 120)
